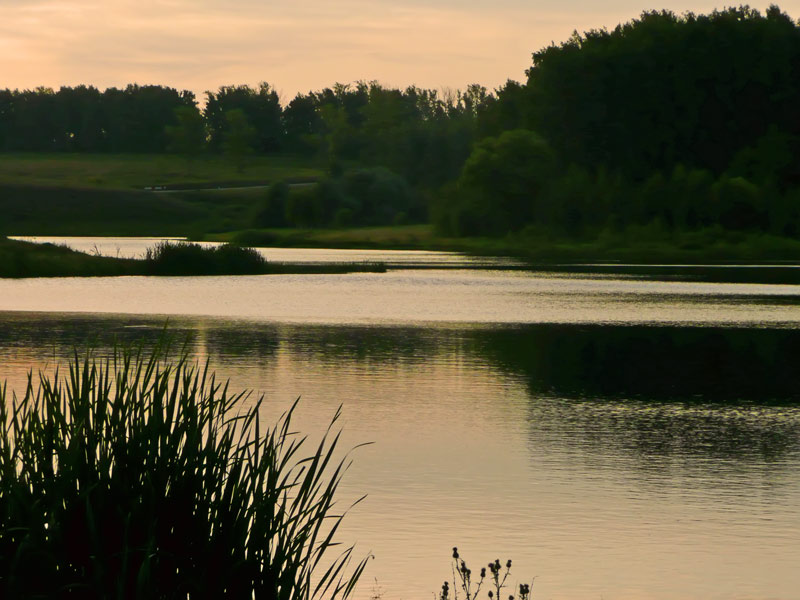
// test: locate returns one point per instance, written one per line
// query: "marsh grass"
(142, 477)
(182, 258)
(26, 259)
(136, 171)
(187, 258)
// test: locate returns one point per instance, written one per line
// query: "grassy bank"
(75, 194)
(29, 210)
(638, 245)
(25, 259)
(138, 171)
(100, 195)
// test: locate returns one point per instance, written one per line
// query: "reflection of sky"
(296, 46)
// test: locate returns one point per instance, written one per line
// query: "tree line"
(686, 122)
(679, 121)
(424, 134)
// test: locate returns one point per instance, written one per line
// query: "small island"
(27, 259)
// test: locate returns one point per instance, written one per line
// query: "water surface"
(616, 437)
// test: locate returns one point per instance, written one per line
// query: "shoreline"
(24, 259)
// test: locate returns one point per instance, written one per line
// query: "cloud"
(297, 46)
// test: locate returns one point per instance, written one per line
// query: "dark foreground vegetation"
(25, 259)
(140, 477)
(669, 136)
(470, 586)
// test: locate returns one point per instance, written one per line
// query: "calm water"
(618, 438)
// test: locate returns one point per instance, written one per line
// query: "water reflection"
(598, 457)
(724, 364)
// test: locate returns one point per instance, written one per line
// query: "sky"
(296, 46)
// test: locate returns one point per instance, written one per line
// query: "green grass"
(78, 194)
(390, 237)
(97, 195)
(137, 171)
(645, 245)
(26, 259)
(141, 477)
(654, 245)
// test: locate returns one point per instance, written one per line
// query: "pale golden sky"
(296, 45)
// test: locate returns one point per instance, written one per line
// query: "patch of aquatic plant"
(139, 476)
(322, 268)
(26, 259)
(184, 258)
(495, 580)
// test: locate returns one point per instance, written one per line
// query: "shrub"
(254, 237)
(509, 174)
(377, 195)
(136, 477)
(182, 258)
(302, 207)
(272, 212)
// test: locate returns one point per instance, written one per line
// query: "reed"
(183, 258)
(140, 476)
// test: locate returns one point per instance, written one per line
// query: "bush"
(169, 258)
(377, 195)
(314, 205)
(272, 212)
(737, 203)
(254, 237)
(508, 175)
(302, 207)
(136, 477)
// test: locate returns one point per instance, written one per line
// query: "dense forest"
(675, 122)
(684, 121)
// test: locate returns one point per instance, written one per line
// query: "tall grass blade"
(143, 477)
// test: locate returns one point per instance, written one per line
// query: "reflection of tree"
(656, 363)
(370, 344)
(47, 335)
(55, 336)
(241, 342)
(660, 395)
(649, 431)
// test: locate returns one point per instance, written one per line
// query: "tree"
(664, 89)
(260, 106)
(188, 135)
(507, 175)
(238, 137)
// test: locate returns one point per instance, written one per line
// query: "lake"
(616, 436)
